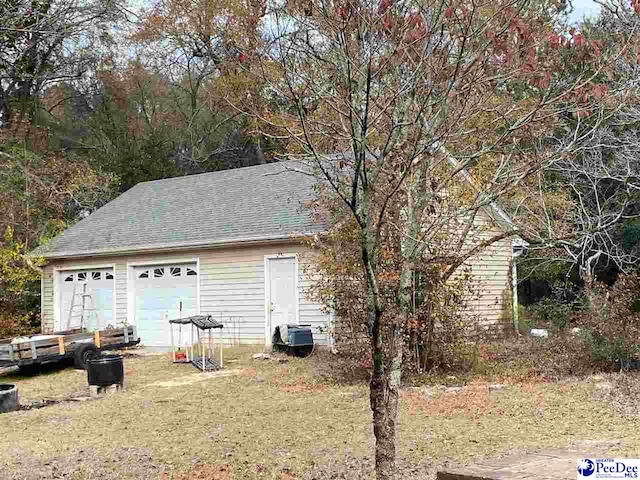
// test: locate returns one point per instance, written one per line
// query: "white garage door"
(86, 299)
(163, 293)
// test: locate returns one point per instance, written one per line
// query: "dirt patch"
(123, 463)
(351, 467)
(194, 378)
(205, 472)
(473, 401)
(339, 368)
(299, 384)
(304, 388)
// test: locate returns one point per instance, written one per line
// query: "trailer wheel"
(82, 354)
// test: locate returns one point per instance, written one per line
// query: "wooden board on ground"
(551, 464)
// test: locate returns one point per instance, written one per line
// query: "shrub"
(613, 320)
(553, 357)
(553, 312)
(12, 325)
(548, 313)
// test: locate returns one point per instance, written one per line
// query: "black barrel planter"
(8, 398)
(105, 370)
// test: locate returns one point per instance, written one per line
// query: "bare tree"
(576, 210)
(191, 44)
(436, 110)
(48, 42)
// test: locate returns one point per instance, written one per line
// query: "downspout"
(41, 299)
(517, 251)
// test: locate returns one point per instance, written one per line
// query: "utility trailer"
(31, 351)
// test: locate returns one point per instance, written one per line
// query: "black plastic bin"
(8, 398)
(105, 370)
(299, 342)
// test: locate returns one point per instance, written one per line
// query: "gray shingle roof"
(262, 202)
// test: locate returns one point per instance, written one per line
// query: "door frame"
(57, 289)
(267, 291)
(131, 293)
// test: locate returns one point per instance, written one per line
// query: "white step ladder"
(79, 307)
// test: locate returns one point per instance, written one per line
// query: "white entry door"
(163, 293)
(282, 294)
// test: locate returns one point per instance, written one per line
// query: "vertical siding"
(310, 312)
(232, 287)
(490, 271)
(232, 290)
(46, 299)
(121, 290)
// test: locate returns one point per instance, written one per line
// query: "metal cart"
(200, 329)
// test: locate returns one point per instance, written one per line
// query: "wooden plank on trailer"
(61, 348)
(34, 353)
(51, 341)
(27, 344)
(97, 339)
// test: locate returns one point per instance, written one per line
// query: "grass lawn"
(280, 421)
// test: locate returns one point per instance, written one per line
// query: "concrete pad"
(553, 464)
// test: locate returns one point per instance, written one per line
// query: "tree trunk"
(387, 361)
(384, 405)
(586, 271)
(383, 396)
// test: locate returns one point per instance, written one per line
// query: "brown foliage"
(613, 319)
(41, 193)
(531, 360)
(434, 333)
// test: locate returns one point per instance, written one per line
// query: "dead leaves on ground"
(288, 383)
(206, 472)
(473, 401)
(299, 384)
(203, 471)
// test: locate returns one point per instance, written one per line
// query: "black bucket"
(8, 398)
(105, 370)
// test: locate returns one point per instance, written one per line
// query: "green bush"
(603, 349)
(549, 313)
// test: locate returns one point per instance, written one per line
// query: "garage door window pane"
(96, 275)
(175, 271)
(108, 276)
(69, 278)
(158, 272)
(144, 274)
(191, 272)
(82, 276)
